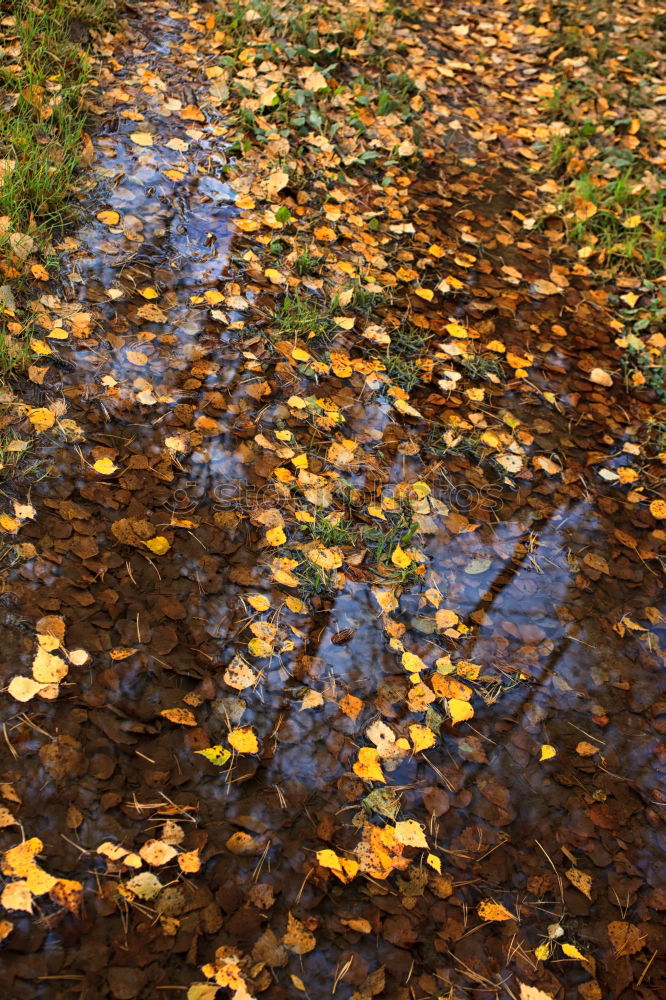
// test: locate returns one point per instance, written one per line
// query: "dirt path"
(434, 713)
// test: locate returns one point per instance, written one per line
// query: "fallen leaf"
(181, 716)
(490, 910)
(142, 138)
(244, 740)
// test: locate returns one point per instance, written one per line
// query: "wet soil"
(556, 574)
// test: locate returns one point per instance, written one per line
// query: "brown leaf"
(626, 938)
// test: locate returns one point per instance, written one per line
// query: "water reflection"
(167, 393)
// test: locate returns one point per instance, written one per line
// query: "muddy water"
(569, 647)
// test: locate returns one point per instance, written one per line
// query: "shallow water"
(569, 649)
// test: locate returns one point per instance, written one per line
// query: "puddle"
(557, 583)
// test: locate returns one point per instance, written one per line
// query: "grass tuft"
(44, 71)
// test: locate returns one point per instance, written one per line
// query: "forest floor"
(332, 436)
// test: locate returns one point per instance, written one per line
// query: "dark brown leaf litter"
(333, 635)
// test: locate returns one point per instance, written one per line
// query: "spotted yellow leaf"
(489, 910)
(276, 536)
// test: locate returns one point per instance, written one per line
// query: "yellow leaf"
(410, 833)
(159, 545)
(297, 938)
(142, 138)
(274, 276)
(258, 602)
(402, 406)
(39, 881)
(109, 218)
(217, 755)
(434, 862)
(190, 861)
(377, 512)
(157, 852)
(298, 354)
(489, 910)
(247, 225)
(425, 293)
(244, 740)
(276, 536)
(459, 710)
(325, 234)
(446, 619)
(344, 322)
(406, 274)
(571, 951)
(325, 558)
(18, 860)
(41, 419)
(105, 466)
(180, 716)
(23, 688)
(149, 293)
(344, 868)
(39, 347)
(17, 896)
(547, 751)
(581, 880)
(351, 706)
(422, 737)
(274, 184)
(367, 765)
(47, 668)
(57, 333)
(260, 647)
(542, 952)
(400, 558)
(412, 663)
(658, 509)
(9, 524)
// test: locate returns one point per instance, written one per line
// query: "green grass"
(330, 530)
(303, 317)
(401, 359)
(640, 248)
(15, 353)
(313, 580)
(307, 263)
(655, 434)
(481, 368)
(382, 539)
(606, 159)
(41, 131)
(645, 368)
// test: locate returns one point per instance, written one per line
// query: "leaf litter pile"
(331, 618)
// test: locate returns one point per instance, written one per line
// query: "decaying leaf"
(490, 910)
